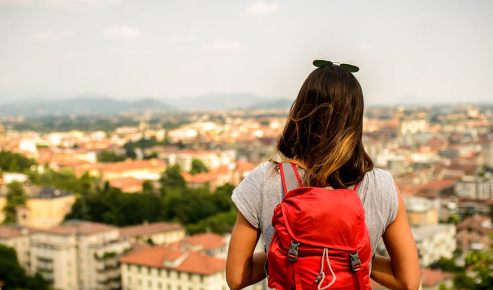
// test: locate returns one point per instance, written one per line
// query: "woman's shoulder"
(378, 176)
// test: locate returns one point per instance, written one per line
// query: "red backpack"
(321, 239)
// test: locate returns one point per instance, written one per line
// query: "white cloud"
(259, 8)
(50, 34)
(184, 39)
(222, 45)
(122, 32)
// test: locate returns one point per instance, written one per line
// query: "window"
(167, 273)
(149, 270)
(139, 268)
(190, 276)
(159, 285)
(160, 272)
(149, 284)
(179, 275)
(201, 278)
(140, 282)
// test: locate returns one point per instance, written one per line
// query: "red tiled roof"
(8, 232)
(208, 241)
(200, 177)
(126, 182)
(481, 224)
(79, 227)
(193, 263)
(148, 229)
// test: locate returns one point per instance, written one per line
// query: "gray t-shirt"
(261, 191)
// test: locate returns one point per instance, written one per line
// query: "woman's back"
(261, 191)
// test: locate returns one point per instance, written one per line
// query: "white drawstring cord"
(325, 254)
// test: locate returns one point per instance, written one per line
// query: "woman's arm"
(401, 271)
(243, 268)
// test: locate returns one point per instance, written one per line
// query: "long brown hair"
(325, 128)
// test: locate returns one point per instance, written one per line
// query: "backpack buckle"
(355, 261)
(293, 251)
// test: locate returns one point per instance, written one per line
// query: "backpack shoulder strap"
(290, 177)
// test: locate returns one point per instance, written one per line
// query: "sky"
(409, 52)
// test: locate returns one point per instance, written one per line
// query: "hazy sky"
(408, 52)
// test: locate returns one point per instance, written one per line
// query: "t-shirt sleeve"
(247, 195)
(392, 202)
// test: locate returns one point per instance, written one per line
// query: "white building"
(475, 187)
(434, 242)
(170, 268)
(78, 255)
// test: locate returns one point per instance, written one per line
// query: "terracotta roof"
(440, 184)
(148, 229)
(208, 241)
(7, 232)
(194, 263)
(80, 228)
(13, 231)
(126, 182)
(128, 165)
(481, 224)
(200, 177)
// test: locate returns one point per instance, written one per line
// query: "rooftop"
(194, 263)
(78, 227)
(207, 241)
(148, 229)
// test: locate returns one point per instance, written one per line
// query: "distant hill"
(80, 105)
(275, 104)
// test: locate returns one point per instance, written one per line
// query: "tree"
(481, 264)
(13, 275)
(172, 178)
(147, 187)
(110, 156)
(15, 198)
(198, 167)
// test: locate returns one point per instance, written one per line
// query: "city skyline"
(409, 53)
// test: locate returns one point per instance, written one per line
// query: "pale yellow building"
(44, 209)
(160, 233)
(79, 255)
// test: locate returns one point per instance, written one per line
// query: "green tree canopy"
(198, 166)
(172, 178)
(15, 162)
(15, 197)
(13, 275)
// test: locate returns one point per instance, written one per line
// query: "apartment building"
(159, 233)
(473, 233)
(475, 187)
(434, 242)
(169, 268)
(78, 255)
(17, 237)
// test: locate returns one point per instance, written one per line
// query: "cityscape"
(125, 127)
(143, 199)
